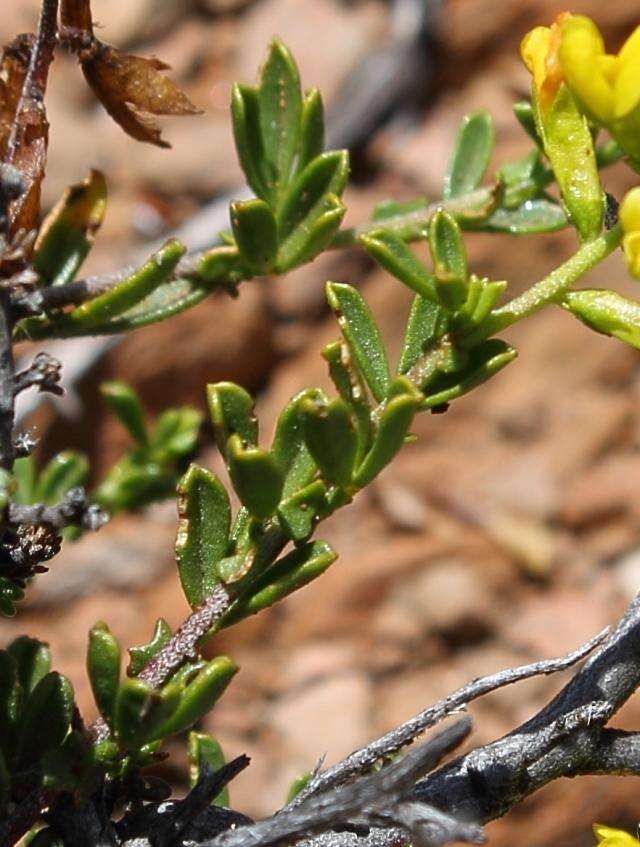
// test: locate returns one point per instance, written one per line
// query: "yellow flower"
(609, 837)
(630, 220)
(607, 86)
(539, 51)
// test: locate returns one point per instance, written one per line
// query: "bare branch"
(44, 372)
(73, 510)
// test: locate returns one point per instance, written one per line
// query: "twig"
(44, 372)
(73, 510)
(362, 760)
(379, 799)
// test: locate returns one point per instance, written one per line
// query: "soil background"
(509, 532)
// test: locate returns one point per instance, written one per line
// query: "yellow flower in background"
(630, 220)
(607, 86)
(609, 837)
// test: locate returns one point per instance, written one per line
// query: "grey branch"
(44, 373)
(73, 510)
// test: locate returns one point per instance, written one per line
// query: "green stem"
(551, 288)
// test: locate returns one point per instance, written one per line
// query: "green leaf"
(395, 256)
(388, 209)
(141, 711)
(95, 315)
(331, 438)
(32, 661)
(68, 232)
(65, 471)
(289, 448)
(5, 785)
(422, 330)
(46, 717)
(24, 472)
(482, 297)
(533, 216)
(311, 129)
(449, 259)
(568, 145)
(523, 110)
(393, 426)
(231, 410)
(204, 513)
(303, 202)
(200, 695)
(176, 433)
(471, 154)
(130, 485)
(256, 477)
(484, 361)
(349, 383)
(280, 112)
(298, 784)
(256, 233)
(203, 749)
(11, 698)
(293, 571)
(245, 111)
(313, 235)
(103, 669)
(300, 512)
(125, 403)
(362, 335)
(139, 657)
(606, 312)
(9, 593)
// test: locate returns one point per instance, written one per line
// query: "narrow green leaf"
(297, 785)
(422, 330)
(349, 383)
(311, 129)
(11, 699)
(312, 236)
(299, 513)
(103, 669)
(25, 472)
(95, 314)
(449, 259)
(245, 110)
(125, 403)
(203, 749)
(362, 335)
(606, 312)
(68, 232)
(65, 471)
(141, 656)
(176, 433)
(46, 717)
(200, 695)
(471, 154)
(484, 361)
(289, 448)
(395, 256)
(388, 209)
(256, 233)
(130, 485)
(141, 711)
(326, 174)
(204, 515)
(538, 215)
(393, 426)
(280, 112)
(293, 571)
(231, 410)
(331, 437)
(523, 110)
(32, 660)
(256, 477)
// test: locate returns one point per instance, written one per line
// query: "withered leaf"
(76, 14)
(131, 88)
(24, 131)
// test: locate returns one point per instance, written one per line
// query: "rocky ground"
(510, 531)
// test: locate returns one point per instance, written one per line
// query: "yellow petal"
(611, 837)
(631, 47)
(580, 47)
(630, 211)
(534, 50)
(609, 66)
(631, 247)
(627, 86)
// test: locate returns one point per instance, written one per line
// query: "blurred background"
(509, 532)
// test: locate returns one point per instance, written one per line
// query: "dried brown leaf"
(131, 88)
(76, 14)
